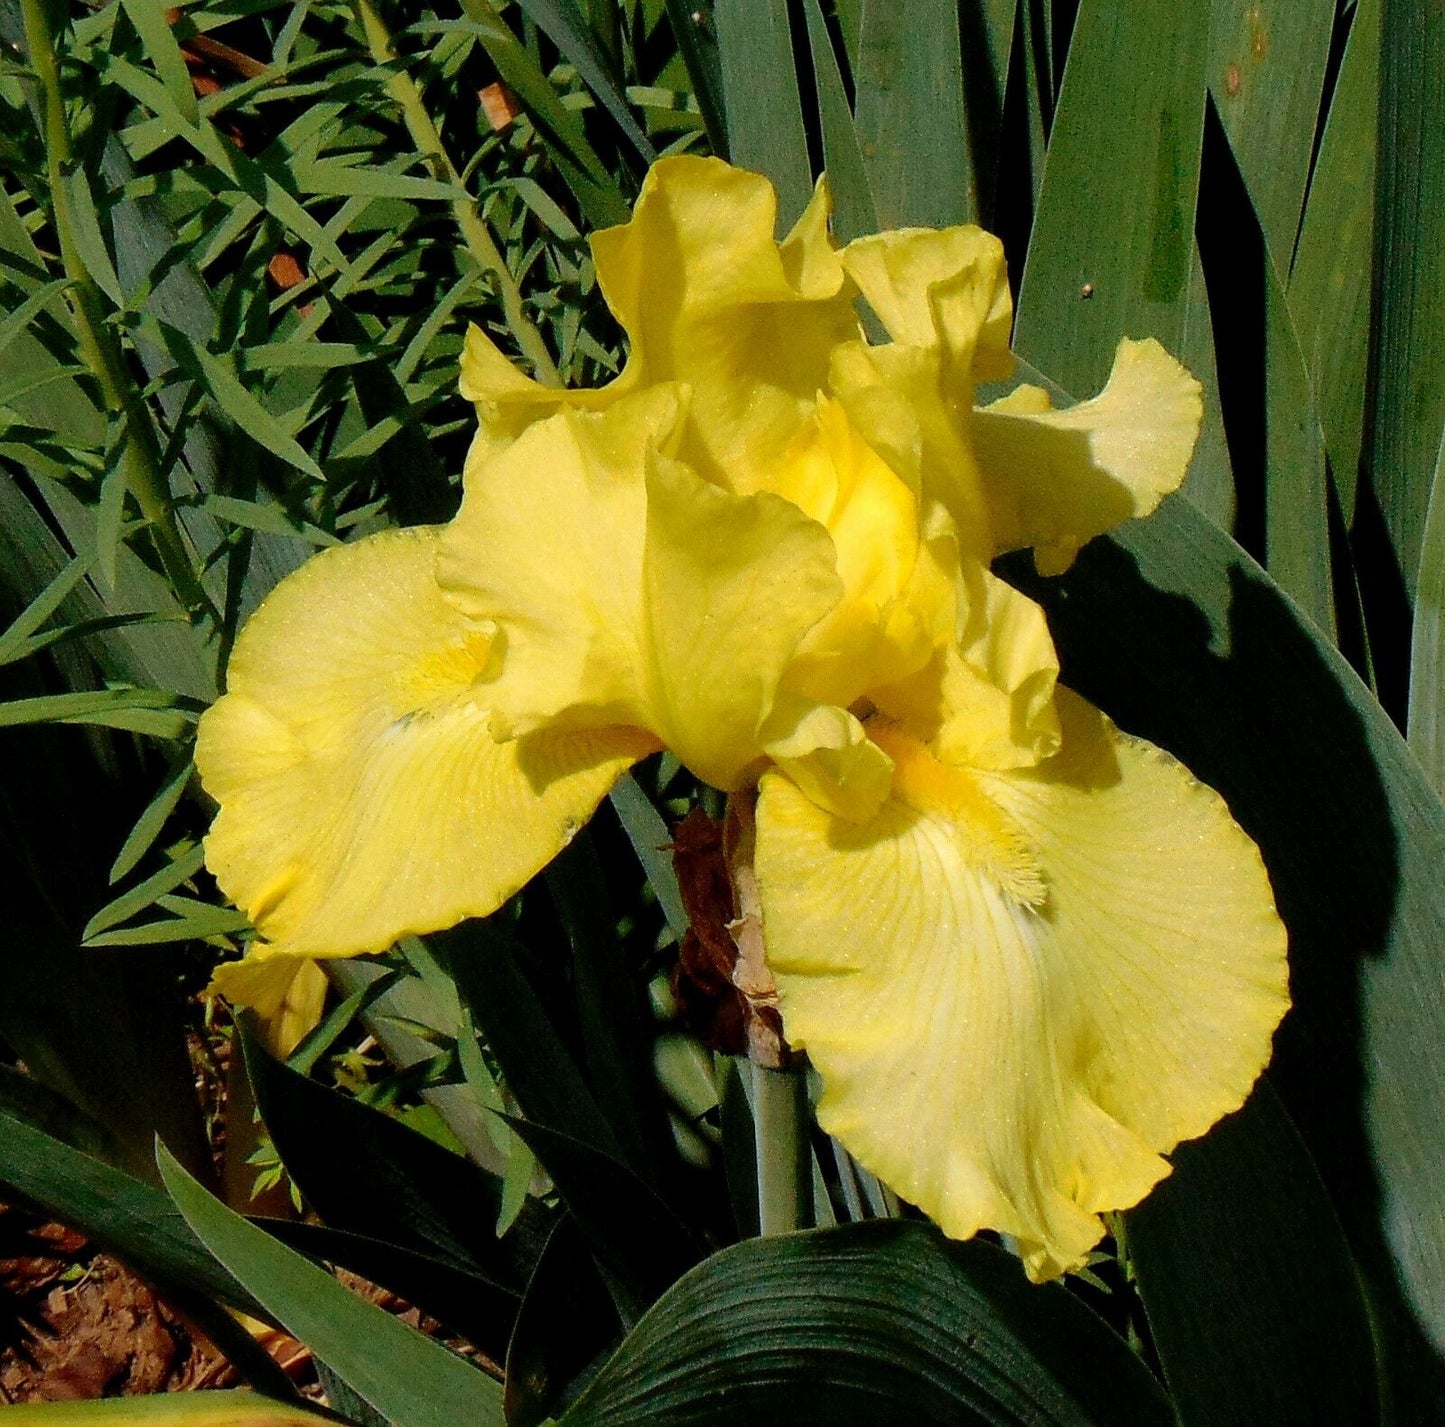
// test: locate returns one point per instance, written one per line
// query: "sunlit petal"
(708, 297)
(286, 992)
(1055, 479)
(945, 288)
(630, 591)
(361, 794)
(1021, 989)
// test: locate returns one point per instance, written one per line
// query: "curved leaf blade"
(877, 1322)
(409, 1378)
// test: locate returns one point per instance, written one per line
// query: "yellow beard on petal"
(989, 838)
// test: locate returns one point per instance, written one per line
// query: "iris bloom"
(1027, 953)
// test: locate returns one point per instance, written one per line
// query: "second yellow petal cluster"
(1027, 953)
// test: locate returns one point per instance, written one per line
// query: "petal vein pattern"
(1022, 990)
(362, 796)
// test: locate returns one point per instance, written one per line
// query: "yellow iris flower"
(1027, 953)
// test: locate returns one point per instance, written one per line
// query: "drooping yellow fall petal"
(1056, 479)
(628, 590)
(287, 993)
(1021, 989)
(361, 794)
(709, 298)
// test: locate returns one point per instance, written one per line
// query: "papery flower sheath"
(1027, 953)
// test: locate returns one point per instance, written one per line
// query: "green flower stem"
(99, 346)
(779, 1116)
(474, 230)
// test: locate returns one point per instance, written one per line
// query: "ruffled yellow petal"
(287, 993)
(894, 596)
(361, 794)
(987, 698)
(1021, 989)
(1056, 479)
(945, 288)
(826, 751)
(707, 297)
(630, 591)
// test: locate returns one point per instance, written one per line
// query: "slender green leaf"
(1113, 235)
(1266, 72)
(148, 826)
(869, 1323)
(651, 841)
(409, 1378)
(853, 212)
(760, 88)
(1407, 371)
(154, 28)
(153, 711)
(234, 1408)
(1329, 286)
(1245, 1220)
(559, 22)
(1427, 650)
(696, 41)
(144, 894)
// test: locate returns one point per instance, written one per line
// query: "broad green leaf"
(929, 78)
(1114, 229)
(760, 89)
(1266, 71)
(409, 1378)
(233, 1408)
(1296, 534)
(869, 1323)
(1427, 648)
(1329, 286)
(1245, 1220)
(1176, 634)
(539, 1070)
(1407, 365)
(853, 213)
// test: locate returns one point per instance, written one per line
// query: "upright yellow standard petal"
(628, 590)
(1021, 989)
(361, 794)
(945, 288)
(708, 297)
(1056, 479)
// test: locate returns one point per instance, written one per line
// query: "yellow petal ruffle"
(1056, 479)
(361, 794)
(1022, 988)
(630, 591)
(709, 298)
